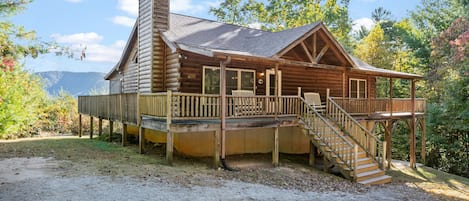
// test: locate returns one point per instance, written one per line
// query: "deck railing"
(122, 107)
(362, 106)
(362, 136)
(186, 106)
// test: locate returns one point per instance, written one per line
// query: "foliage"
(449, 94)
(59, 114)
(20, 97)
(277, 15)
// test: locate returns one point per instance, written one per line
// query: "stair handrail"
(332, 108)
(347, 156)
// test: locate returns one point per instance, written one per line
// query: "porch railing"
(357, 106)
(122, 107)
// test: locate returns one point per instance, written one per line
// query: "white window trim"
(358, 87)
(238, 71)
(267, 82)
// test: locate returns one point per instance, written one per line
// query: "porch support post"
(124, 134)
(390, 96)
(388, 138)
(276, 92)
(91, 127)
(169, 134)
(275, 151)
(368, 94)
(216, 149)
(312, 153)
(169, 147)
(412, 127)
(79, 126)
(141, 140)
(343, 86)
(100, 126)
(223, 105)
(423, 140)
(328, 94)
(111, 124)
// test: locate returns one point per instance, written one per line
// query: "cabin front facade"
(212, 89)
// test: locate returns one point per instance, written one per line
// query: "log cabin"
(206, 88)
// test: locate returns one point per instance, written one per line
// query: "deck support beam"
(91, 127)
(111, 129)
(100, 126)
(423, 140)
(80, 126)
(141, 140)
(275, 151)
(124, 134)
(169, 147)
(412, 127)
(388, 127)
(216, 149)
(312, 153)
(223, 105)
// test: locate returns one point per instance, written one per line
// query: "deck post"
(312, 153)
(100, 126)
(412, 127)
(223, 104)
(276, 92)
(388, 138)
(423, 140)
(216, 149)
(390, 96)
(368, 94)
(169, 147)
(124, 134)
(79, 126)
(328, 93)
(111, 129)
(298, 108)
(383, 157)
(141, 140)
(275, 151)
(91, 127)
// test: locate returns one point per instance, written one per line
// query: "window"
(357, 88)
(236, 79)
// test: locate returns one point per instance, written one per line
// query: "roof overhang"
(125, 53)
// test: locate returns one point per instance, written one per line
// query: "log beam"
(169, 147)
(310, 57)
(321, 53)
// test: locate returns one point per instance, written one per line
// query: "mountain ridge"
(75, 83)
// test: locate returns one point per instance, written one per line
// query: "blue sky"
(103, 26)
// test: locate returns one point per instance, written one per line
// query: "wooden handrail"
(362, 136)
(328, 135)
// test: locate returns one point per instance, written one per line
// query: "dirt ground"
(78, 169)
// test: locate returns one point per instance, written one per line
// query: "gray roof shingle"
(211, 35)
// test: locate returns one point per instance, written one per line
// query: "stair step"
(366, 168)
(377, 180)
(370, 174)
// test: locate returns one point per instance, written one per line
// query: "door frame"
(269, 72)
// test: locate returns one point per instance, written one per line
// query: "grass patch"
(431, 180)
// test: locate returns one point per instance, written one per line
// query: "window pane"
(212, 81)
(247, 81)
(362, 88)
(231, 81)
(353, 89)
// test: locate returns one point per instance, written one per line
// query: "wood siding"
(173, 71)
(130, 72)
(153, 18)
(144, 46)
(309, 79)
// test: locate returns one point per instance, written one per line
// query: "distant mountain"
(73, 82)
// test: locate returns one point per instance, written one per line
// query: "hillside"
(75, 83)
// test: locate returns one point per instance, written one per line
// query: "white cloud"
(78, 38)
(99, 53)
(123, 20)
(188, 6)
(128, 6)
(119, 44)
(366, 22)
(74, 1)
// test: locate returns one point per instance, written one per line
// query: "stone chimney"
(153, 19)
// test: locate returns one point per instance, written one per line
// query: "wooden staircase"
(354, 161)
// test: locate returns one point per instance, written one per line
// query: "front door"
(270, 83)
(270, 89)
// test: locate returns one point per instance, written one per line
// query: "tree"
(380, 14)
(21, 93)
(277, 15)
(449, 112)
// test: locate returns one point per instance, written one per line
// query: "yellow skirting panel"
(291, 140)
